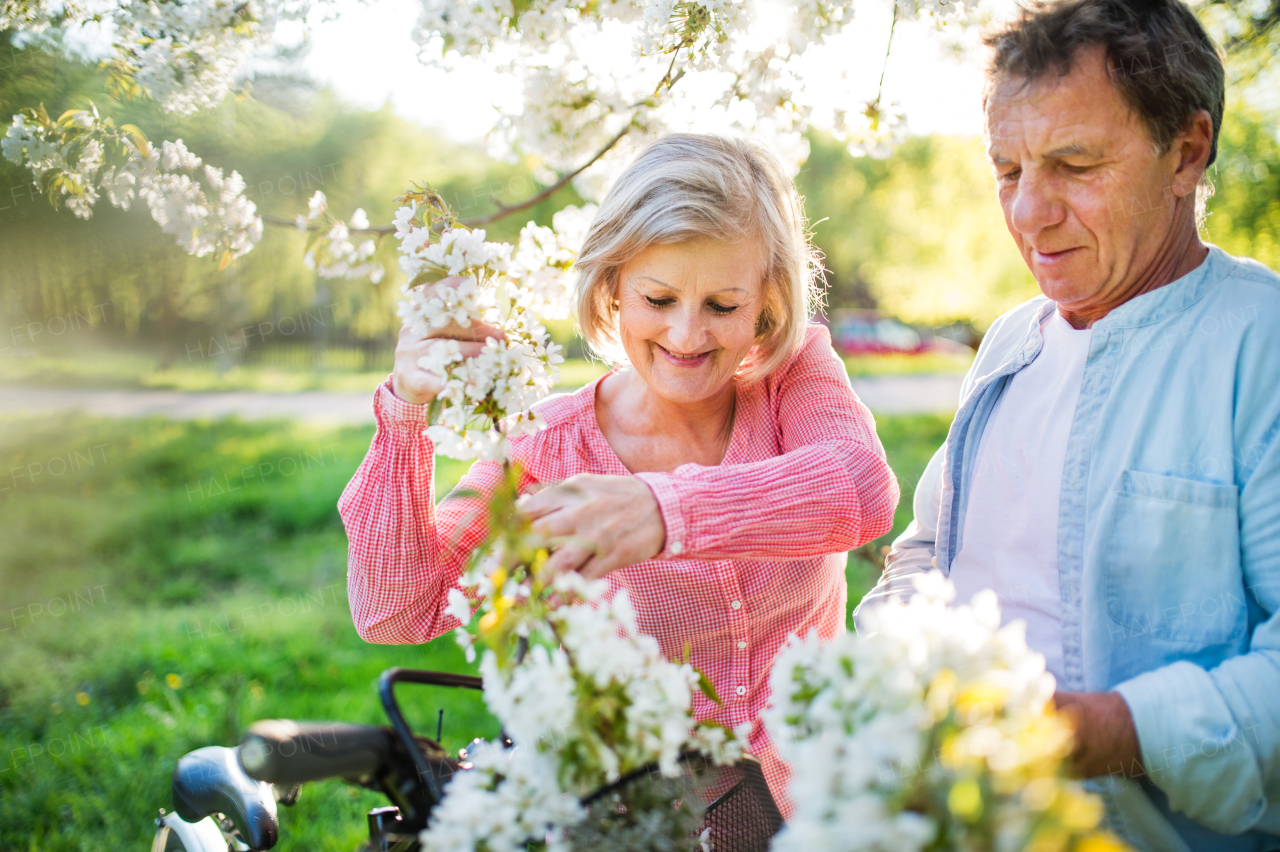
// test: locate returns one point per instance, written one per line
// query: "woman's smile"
(694, 359)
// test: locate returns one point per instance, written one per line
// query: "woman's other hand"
(418, 386)
(609, 522)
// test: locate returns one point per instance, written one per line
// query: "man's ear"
(1193, 146)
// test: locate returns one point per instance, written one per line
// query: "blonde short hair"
(686, 187)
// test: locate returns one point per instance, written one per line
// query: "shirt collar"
(1176, 296)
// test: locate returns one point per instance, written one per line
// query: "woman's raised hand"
(418, 386)
(605, 522)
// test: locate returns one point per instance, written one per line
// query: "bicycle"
(225, 798)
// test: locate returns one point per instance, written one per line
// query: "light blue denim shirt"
(1168, 543)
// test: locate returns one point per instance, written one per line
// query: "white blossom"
(855, 712)
(203, 208)
(506, 797)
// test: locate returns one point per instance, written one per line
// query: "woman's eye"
(658, 303)
(722, 310)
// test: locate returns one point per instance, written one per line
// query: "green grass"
(212, 553)
(896, 364)
(129, 369)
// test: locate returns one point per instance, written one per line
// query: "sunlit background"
(174, 437)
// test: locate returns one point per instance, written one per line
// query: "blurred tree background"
(917, 235)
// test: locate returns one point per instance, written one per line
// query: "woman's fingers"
(617, 516)
(547, 500)
(412, 383)
(570, 556)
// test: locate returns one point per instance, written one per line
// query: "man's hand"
(1106, 740)
(414, 384)
(606, 522)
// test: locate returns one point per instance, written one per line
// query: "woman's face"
(687, 315)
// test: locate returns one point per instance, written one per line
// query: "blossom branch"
(504, 210)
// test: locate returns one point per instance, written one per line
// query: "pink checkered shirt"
(755, 546)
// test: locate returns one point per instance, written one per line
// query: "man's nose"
(1036, 204)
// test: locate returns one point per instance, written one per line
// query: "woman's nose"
(687, 331)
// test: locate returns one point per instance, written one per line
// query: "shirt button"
(677, 547)
(742, 643)
(736, 604)
(742, 690)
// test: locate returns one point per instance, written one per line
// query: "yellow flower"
(1048, 839)
(82, 698)
(1078, 810)
(1039, 794)
(965, 800)
(1101, 842)
(942, 693)
(173, 680)
(979, 703)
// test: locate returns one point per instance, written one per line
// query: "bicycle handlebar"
(280, 751)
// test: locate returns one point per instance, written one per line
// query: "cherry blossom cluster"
(79, 157)
(186, 56)
(332, 251)
(712, 65)
(694, 64)
(593, 699)
(933, 722)
(458, 277)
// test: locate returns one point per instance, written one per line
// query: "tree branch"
(888, 46)
(502, 210)
(290, 223)
(546, 193)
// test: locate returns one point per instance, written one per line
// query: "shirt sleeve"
(405, 553)
(913, 551)
(1219, 729)
(830, 490)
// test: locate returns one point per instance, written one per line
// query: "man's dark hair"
(1158, 56)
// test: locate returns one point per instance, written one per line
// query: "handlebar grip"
(281, 751)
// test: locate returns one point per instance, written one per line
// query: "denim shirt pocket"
(1172, 559)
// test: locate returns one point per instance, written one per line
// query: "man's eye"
(722, 310)
(658, 303)
(1077, 170)
(1009, 176)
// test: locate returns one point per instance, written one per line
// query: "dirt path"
(882, 394)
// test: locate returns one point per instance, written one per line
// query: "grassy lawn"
(127, 369)
(896, 364)
(167, 583)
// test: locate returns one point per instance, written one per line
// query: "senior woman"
(719, 476)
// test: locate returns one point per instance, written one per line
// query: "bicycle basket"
(721, 808)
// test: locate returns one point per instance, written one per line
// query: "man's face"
(1086, 196)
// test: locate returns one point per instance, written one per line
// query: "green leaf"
(708, 688)
(135, 133)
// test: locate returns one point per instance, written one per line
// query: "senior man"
(1113, 470)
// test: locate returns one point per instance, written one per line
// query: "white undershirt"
(1010, 536)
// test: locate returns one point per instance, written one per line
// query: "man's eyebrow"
(1075, 149)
